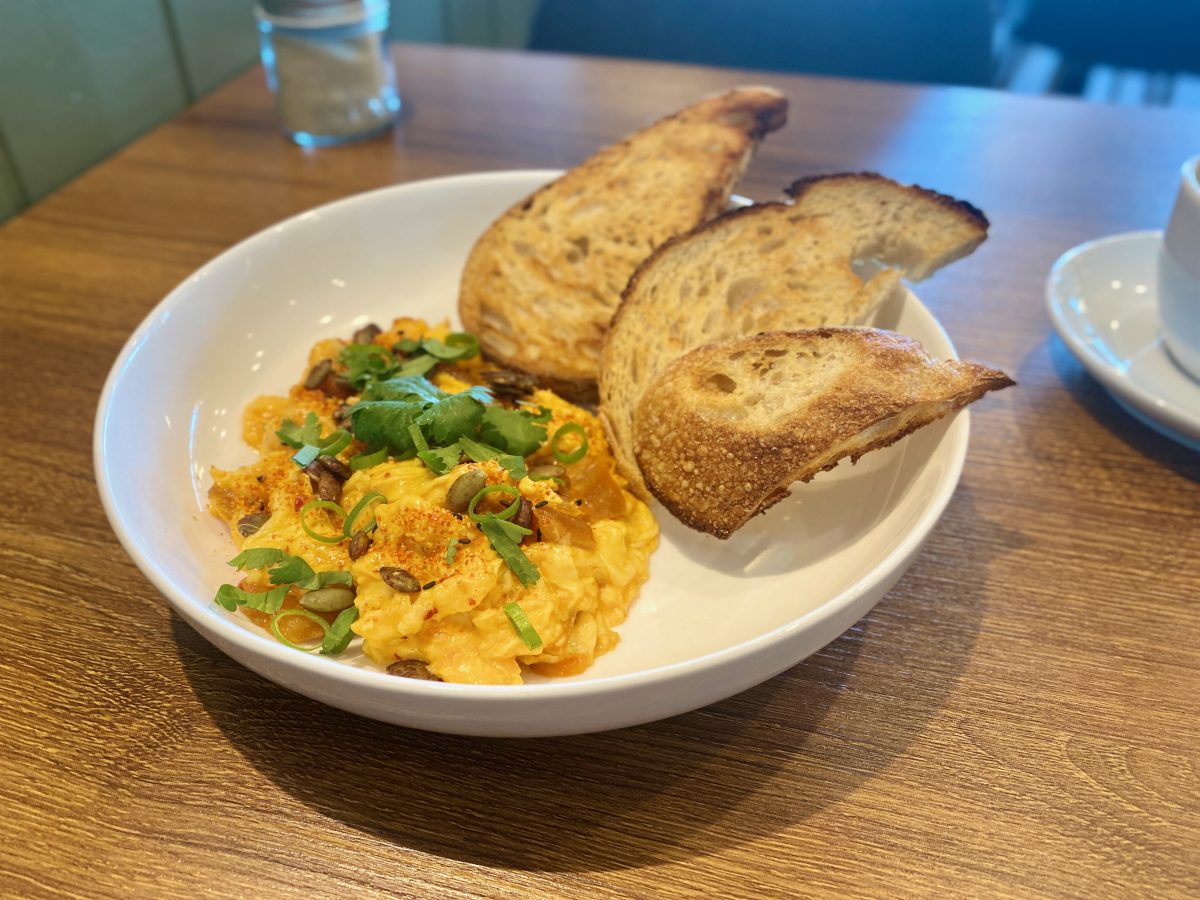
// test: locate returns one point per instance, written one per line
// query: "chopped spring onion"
(579, 452)
(507, 513)
(348, 528)
(520, 622)
(418, 438)
(312, 617)
(505, 538)
(334, 442)
(321, 504)
(368, 460)
(306, 455)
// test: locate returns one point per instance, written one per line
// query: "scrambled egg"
(591, 543)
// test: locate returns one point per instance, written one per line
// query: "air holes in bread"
(741, 292)
(579, 249)
(721, 382)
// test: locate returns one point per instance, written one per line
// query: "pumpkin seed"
(359, 544)
(248, 525)
(465, 487)
(333, 598)
(412, 668)
(399, 579)
(367, 334)
(317, 374)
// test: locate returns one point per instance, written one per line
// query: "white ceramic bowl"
(715, 618)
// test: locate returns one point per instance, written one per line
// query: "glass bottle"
(328, 66)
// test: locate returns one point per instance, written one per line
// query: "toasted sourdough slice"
(728, 427)
(541, 284)
(773, 267)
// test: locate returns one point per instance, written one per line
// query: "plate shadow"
(749, 766)
(1096, 402)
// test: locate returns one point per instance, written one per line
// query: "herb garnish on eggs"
(403, 429)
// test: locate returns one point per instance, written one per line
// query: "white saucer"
(1103, 300)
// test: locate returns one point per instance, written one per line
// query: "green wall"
(80, 78)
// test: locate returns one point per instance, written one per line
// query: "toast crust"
(717, 446)
(541, 284)
(971, 213)
(800, 257)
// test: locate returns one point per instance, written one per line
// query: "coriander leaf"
(411, 388)
(514, 464)
(232, 597)
(324, 579)
(464, 340)
(311, 430)
(440, 351)
(478, 452)
(459, 345)
(418, 365)
(289, 433)
(257, 558)
(504, 537)
(441, 461)
(228, 596)
(268, 601)
(452, 418)
(479, 392)
(365, 363)
(339, 635)
(512, 430)
(294, 570)
(451, 551)
(406, 346)
(384, 423)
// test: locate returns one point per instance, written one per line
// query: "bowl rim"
(204, 618)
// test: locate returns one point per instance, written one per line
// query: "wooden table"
(1019, 716)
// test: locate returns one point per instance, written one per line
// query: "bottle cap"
(319, 13)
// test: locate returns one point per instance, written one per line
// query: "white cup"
(1179, 273)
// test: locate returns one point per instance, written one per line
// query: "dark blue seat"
(946, 41)
(1155, 35)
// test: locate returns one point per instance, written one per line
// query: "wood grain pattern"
(1018, 717)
